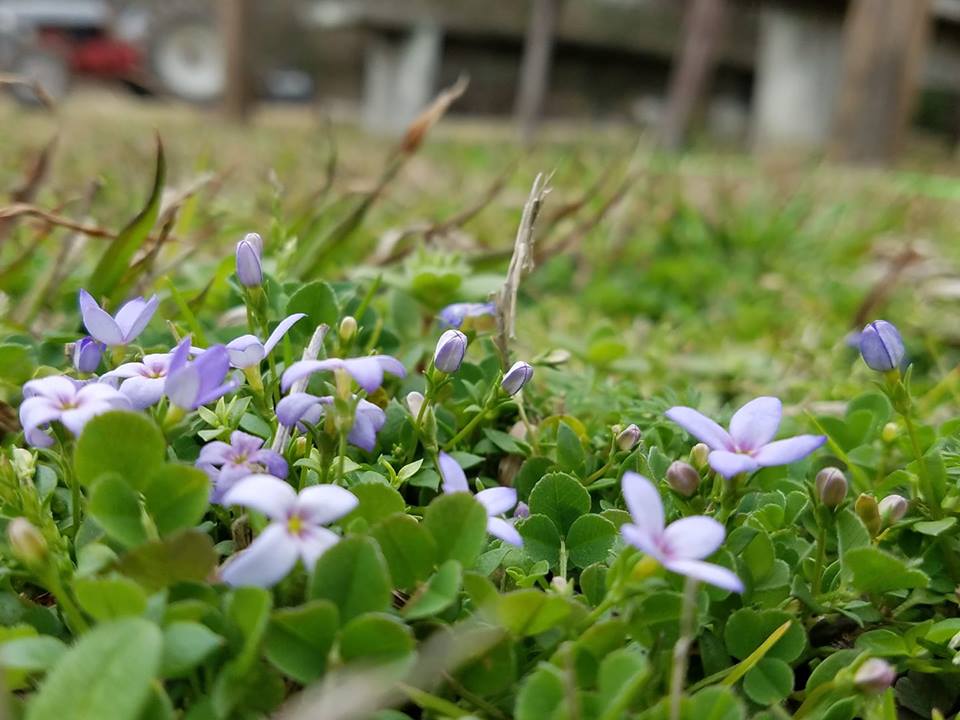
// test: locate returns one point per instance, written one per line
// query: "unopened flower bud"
(889, 432)
(299, 449)
(522, 510)
(24, 463)
(29, 546)
(868, 511)
(628, 437)
(560, 584)
(892, 509)
(875, 676)
(249, 268)
(451, 347)
(428, 430)
(86, 354)
(699, 454)
(518, 430)
(683, 478)
(343, 383)
(414, 402)
(881, 346)
(831, 486)
(348, 328)
(954, 643)
(516, 377)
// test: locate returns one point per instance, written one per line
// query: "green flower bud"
(348, 328)
(889, 432)
(24, 464)
(699, 454)
(831, 486)
(28, 544)
(868, 511)
(683, 478)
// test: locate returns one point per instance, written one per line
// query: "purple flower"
(298, 408)
(680, 546)
(142, 381)
(249, 267)
(367, 371)
(516, 377)
(192, 384)
(451, 347)
(121, 329)
(747, 447)
(454, 315)
(496, 500)
(247, 350)
(86, 354)
(244, 455)
(295, 531)
(59, 398)
(881, 346)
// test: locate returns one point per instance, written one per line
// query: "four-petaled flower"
(142, 381)
(367, 371)
(454, 315)
(299, 408)
(749, 445)
(192, 384)
(295, 531)
(61, 399)
(496, 501)
(244, 455)
(247, 350)
(121, 329)
(680, 546)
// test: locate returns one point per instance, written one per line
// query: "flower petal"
(98, 321)
(313, 543)
(143, 392)
(454, 479)
(641, 540)
(245, 351)
(74, 420)
(784, 452)
(282, 329)
(707, 572)
(366, 371)
(322, 504)
(643, 502)
(265, 494)
(701, 427)
(135, 315)
(391, 365)
(215, 453)
(693, 538)
(212, 366)
(505, 531)
(729, 464)
(362, 433)
(266, 562)
(292, 408)
(497, 500)
(306, 368)
(756, 423)
(272, 461)
(53, 387)
(35, 414)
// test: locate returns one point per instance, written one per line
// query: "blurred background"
(846, 78)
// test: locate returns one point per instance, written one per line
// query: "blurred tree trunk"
(692, 68)
(535, 67)
(885, 43)
(235, 21)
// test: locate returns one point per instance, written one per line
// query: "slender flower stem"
(341, 457)
(69, 609)
(820, 560)
(932, 504)
(681, 651)
(606, 466)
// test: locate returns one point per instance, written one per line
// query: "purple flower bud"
(893, 508)
(451, 348)
(516, 377)
(881, 346)
(628, 437)
(414, 402)
(86, 354)
(522, 511)
(875, 676)
(683, 478)
(249, 269)
(831, 486)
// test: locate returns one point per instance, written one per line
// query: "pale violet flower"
(367, 371)
(121, 329)
(298, 408)
(749, 445)
(680, 546)
(296, 530)
(86, 354)
(496, 501)
(244, 455)
(192, 384)
(61, 399)
(142, 382)
(881, 346)
(249, 264)
(247, 350)
(454, 315)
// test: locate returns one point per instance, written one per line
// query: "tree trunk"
(235, 21)
(535, 68)
(885, 44)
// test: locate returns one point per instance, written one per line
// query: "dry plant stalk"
(520, 263)
(33, 178)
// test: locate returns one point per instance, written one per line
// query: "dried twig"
(42, 95)
(34, 177)
(882, 289)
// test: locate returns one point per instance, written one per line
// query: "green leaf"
(570, 455)
(831, 665)
(116, 508)
(541, 539)
(107, 674)
(622, 674)
(530, 612)
(851, 532)
(714, 703)
(185, 557)
(17, 363)
(375, 636)
(593, 583)
(746, 629)
(589, 540)
(934, 527)
(769, 681)
(299, 639)
(882, 643)
(318, 300)
(248, 609)
(439, 593)
(31, 654)
(118, 254)
(353, 575)
(186, 645)
(109, 598)
(409, 550)
(872, 570)
(542, 695)
(177, 496)
(458, 525)
(377, 501)
(124, 443)
(560, 497)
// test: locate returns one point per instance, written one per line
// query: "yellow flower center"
(295, 525)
